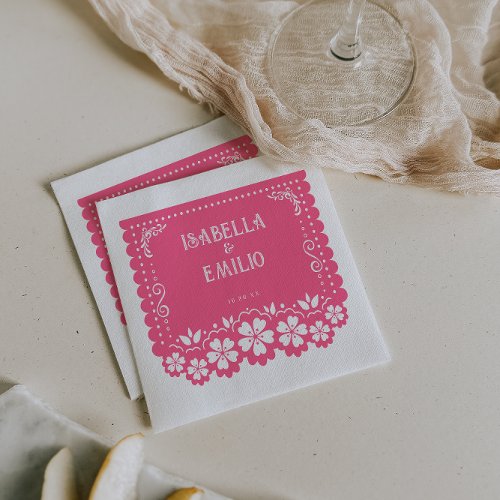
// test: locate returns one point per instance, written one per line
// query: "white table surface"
(425, 426)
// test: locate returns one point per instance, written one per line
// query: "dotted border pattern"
(320, 252)
(234, 151)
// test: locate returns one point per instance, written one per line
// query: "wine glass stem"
(346, 43)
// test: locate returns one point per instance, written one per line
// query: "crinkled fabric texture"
(445, 134)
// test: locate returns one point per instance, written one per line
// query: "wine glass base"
(312, 83)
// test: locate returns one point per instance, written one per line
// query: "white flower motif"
(222, 353)
(334, 314)
(319, 331)
(255, 336)
(175, 362)
(191, 338)
(291, 331)
(197, 368)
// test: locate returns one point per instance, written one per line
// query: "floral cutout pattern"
(258, 333)
(197, 370)
(256, 336)
(322, 334)
(336, 315)
(292, 332)
(255, 339)
(174, 364)
(222, 353)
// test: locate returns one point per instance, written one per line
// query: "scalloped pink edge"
(196, 362)
(234, 151)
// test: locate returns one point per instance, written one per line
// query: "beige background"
(425, 426)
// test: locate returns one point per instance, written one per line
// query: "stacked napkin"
(222, 277)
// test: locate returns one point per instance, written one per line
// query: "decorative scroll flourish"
(147, 234)
(254, 335)
(316, 264)
(161, 309)
(288, 195)
(230, 159)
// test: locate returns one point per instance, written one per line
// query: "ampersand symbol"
(228, 248)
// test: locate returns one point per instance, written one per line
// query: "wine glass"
(344, 62)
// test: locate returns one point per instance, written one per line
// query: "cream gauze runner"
(445, 135)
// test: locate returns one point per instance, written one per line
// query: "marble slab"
(31, 433)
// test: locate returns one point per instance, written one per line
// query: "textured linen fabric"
(445, 134)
